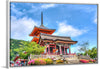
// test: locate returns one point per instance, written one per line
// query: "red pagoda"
(55, 45)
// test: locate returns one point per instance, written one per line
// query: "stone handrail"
(51, 56)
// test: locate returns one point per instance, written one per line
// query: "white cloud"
(12, 5)
(84, 8)
(45, 6)
(16, 11)
(68, 30)
(21, 28)
(95, 18)
(40, 7)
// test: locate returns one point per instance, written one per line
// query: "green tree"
(27, 48)
(83, 47)
(11, 55)
(92, 53)
(13, 45)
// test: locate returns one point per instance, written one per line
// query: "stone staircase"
(73, 60)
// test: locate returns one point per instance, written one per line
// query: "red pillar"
(64, 50)
(55, 49)
(61, 50)
(49, 49)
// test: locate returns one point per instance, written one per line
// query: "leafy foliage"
(24, 48)
(27, 48)
(49, 61)
(92, 53)
(13, 45)
(59, 61)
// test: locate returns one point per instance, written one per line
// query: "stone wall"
(84, 57)
(53, 56)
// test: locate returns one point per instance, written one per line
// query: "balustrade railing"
(51, 56)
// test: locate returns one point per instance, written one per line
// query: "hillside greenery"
(28, 48)
(14, 44)
(24, 49)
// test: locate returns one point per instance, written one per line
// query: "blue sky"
(79, 21)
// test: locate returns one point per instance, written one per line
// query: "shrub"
(66, 61)
(31, 62)
(37, 62)
(84, 61)
(59, 61)
(42, 62)
(49, 61)
(91, 60)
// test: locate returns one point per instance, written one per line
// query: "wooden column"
(69, 50)
(55, 49)
(60, 50)
(64, 50)
(49, 49)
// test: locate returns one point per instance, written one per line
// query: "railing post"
(64, 50)
(69, 50)
(60, 50)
